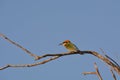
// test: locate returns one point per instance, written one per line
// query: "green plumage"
(71, 47)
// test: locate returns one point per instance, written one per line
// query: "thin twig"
(109, 57)
(112, 60)
(29, 65)
(96, 72)
(21, 47)
(103, 51)
(86, 73)
(113, 74)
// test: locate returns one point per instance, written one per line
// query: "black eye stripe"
(64, 42)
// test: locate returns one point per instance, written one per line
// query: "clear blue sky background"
(40, 25)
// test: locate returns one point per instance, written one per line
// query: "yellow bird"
(69, 46)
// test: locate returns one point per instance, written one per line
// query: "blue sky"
(40, 25)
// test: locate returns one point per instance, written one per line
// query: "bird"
(69, 46)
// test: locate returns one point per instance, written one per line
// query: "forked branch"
(55, 56)
(96, 72)
(18, 45)
(29, 65)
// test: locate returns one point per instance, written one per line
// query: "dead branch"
(106, 60)
(29, 65)
(113, 74)
(55, 56)
(86, 73)
(109, 57)
(96, 72)
(21, 47)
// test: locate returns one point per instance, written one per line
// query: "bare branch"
(86, 73)
(109, 57)
(29, 65)
(59, 54)
(53, 56)
(106, 60)
(113, 74)
(96, 72)
(16, 44)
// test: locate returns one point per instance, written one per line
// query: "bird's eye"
(64, 42)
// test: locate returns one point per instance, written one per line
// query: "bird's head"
(65, 42)
(69, 45)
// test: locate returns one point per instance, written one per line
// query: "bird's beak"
(60, 43)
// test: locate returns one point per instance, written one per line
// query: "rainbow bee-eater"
(69, 46)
